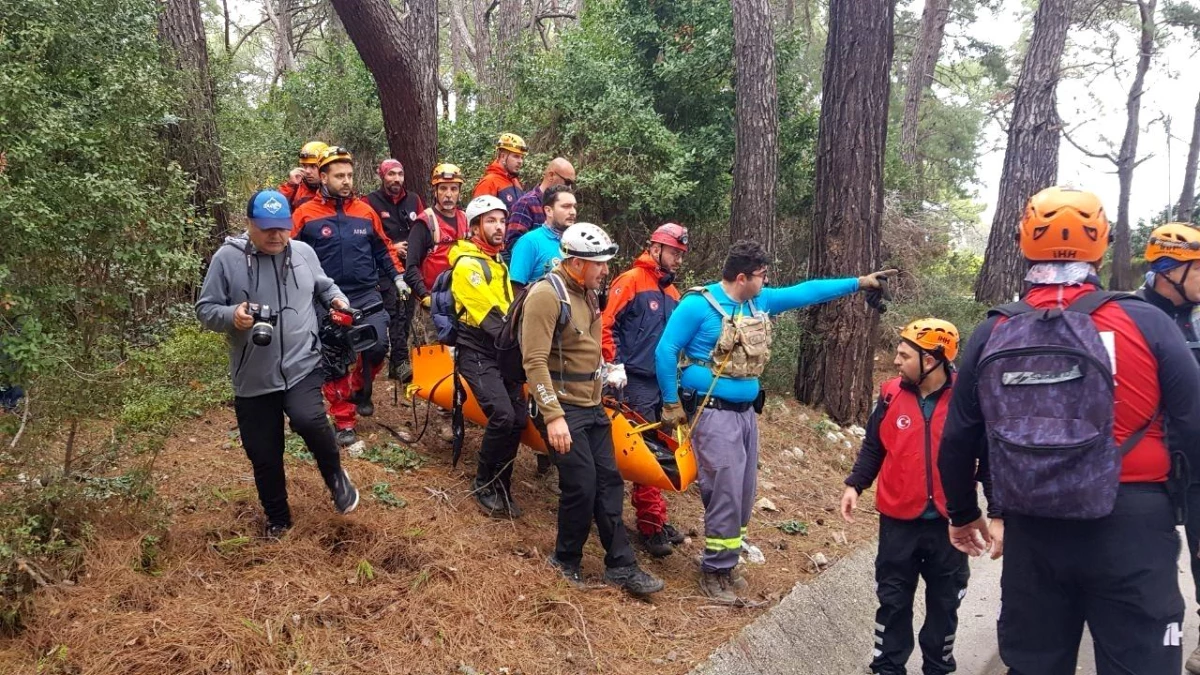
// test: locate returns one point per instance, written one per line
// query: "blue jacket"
(349, 240)
(695, 326)
(535, 255)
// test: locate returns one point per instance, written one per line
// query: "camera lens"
(261, 333)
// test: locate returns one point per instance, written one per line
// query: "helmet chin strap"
(1178, 285)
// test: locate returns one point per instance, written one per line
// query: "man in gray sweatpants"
(723, 333)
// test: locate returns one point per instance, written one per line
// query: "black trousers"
(260, 423)
(400, 314)
(1117, 573)
(909, 549)
(644, 397)
(592, 490)
(507, 412)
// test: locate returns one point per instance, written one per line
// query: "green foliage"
(793, 527)
(394, 457)
(384, 495)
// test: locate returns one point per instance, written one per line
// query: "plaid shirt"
(526, 215)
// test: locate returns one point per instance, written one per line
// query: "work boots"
(719, 586)
(673, 535)
(489, 498)
(345, 495)
(657, 544)
(345, 437)
(633, 580)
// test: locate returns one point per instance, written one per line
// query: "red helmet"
(671, 234)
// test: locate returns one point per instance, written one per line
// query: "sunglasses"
(569, 182)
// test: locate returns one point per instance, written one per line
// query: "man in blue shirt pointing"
(722, 331)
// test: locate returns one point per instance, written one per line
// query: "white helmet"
(588, 242)
(482, 204)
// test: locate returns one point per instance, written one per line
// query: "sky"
(1171, 91)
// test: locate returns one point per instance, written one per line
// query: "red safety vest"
(444, 236)
(909, 477)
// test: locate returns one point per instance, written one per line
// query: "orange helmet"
(334, 154)
(935, 336)
(1063, 224)
(312, 151)
(1177, 241)
(446, 173)
(512, 143)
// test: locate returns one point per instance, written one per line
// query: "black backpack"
(508, 345)
(441, 302)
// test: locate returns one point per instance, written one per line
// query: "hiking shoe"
(490, 500)
(571, 573)
(345, 495)
(345, 437)
(719, 587)
(633, 579)
(544, 464)
(657, 544)
(401, 372)
(1193, 662)
(673, 535)
(365, 408)
(276, 530)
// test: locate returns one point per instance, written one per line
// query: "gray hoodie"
(289, 282)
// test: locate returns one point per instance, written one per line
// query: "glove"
(425, 301)
(615, 375)
(402, 288)
(673, 415)
(875, 289)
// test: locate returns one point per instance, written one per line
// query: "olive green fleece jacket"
(578, 356)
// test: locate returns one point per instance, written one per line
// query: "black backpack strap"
(1137, 436)
(564, 302)
(1011, 309)
(1088, 303)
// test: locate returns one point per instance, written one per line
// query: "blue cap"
(1163, 265)
(269, 210)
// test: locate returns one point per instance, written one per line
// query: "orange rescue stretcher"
(644, 453)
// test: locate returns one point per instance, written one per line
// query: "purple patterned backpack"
(1046, 392)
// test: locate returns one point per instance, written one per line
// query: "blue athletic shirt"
(536, 253)
(695, 326)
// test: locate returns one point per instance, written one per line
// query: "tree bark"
(192, 140)
(279, 12)
(920, 76)
(402, 55)
(1031, 157)
(1187, 197)
(1122, 271)
(756, 136)
(851, 142)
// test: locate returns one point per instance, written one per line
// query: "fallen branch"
(24, 421)
(583, 628)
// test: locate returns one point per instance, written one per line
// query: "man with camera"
(349, 240)
(260, 291)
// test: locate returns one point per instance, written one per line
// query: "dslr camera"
(263, 329)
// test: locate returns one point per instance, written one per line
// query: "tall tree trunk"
(756, 137)
(920, 76)
(851, 143)
(402, 55)
(1122, 271)
(1031, 157)
(1187, 197)
(279, 12)
(483, 11)
(192, 140)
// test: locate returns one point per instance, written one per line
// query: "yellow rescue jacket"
(482, 293)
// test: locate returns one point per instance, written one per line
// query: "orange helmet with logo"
(1063, 224)
(512, 143)
(935, 336)
(1177, 241)
(446, 173)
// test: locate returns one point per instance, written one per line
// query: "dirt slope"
(429, 587)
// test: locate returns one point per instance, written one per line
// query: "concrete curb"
(824, 627)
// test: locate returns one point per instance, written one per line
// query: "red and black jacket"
(298, 195)
(900, 449)
(349, 240)
(427, 257)
(1154, 371)
(640, 301)
(397, 214)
